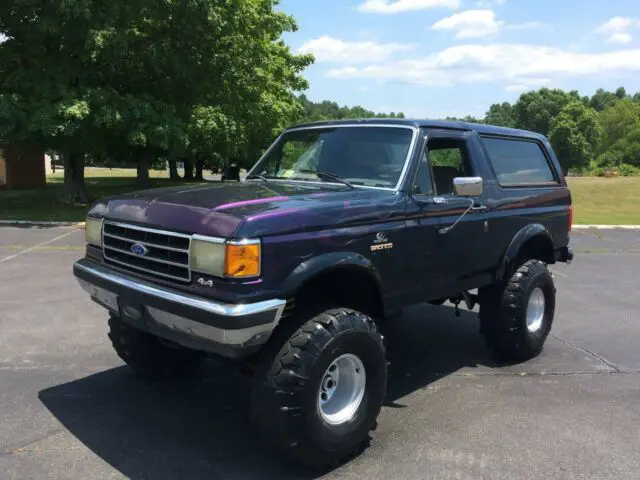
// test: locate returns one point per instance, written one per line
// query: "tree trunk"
(75, 190)
(199, 167)
(142, 180)
(173, 169)
(188, 169)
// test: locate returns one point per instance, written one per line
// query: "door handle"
(479, 208)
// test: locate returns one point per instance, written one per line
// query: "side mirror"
(468, 186)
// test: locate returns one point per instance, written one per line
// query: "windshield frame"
(403, 173)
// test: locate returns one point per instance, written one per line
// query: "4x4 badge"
(204, 282)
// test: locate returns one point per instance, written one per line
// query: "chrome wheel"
(535, 310)
(342, 389)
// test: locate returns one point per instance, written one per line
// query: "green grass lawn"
(97, 172)
(42, 203)
(605, 201)
(596, 200)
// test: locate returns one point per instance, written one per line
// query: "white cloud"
(616, 29)
(470, 23)
(620, 38)
(617, 24)
(513, 64)
(329, 49)
(479, 23)
(400, 6)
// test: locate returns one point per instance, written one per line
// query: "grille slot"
(167, 253)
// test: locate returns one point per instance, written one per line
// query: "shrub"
(627, 170)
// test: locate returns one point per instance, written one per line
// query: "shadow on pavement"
(201, 429)
(428, 343)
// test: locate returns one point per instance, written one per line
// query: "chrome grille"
(167, 253)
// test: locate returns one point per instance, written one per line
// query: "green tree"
(621, 134)
(144, 79)
(603, 99)
(501, 114)
(575, 134)
(327, 110)
(618, 120)
(535, 110)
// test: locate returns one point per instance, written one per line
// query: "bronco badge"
(381, 242)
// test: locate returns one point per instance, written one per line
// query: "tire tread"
(501, 311)
(147, 356)
(275, 393)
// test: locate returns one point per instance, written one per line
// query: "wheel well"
(538, 247)
(346, 287)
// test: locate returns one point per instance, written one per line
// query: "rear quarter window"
(519, 162)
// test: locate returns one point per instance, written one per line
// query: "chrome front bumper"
(194, 322)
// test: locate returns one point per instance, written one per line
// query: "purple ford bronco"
(292, 272)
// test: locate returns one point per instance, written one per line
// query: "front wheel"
(320, 395)
(515, 320)
(148, 356)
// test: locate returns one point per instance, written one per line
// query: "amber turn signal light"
(242, 259)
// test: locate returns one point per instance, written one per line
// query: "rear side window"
(519, 162)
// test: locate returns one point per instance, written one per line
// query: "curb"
(608, 227)
(36, 223)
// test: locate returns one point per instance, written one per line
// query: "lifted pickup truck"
(293, 271)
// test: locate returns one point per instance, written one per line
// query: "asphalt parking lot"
(69, 409)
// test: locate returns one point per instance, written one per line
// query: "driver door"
(449, 255)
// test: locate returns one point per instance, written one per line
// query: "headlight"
(235, 259)
(93, 231)
(207, 255)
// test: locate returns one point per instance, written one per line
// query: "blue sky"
(433, 58)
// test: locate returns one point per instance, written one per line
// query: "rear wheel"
(515, 320)
(320, 394)
(148, 356)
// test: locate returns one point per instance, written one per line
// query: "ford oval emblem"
(139, 249)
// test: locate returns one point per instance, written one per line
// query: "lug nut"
(323, 396)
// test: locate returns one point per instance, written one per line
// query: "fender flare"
(320, 264)
(523, 236)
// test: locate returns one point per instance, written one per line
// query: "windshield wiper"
(330, 176)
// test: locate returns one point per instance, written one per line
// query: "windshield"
(368, 156)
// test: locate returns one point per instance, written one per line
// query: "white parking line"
(555, 272)
(38, 246)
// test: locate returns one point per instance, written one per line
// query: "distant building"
(3, 171)
(22, 168)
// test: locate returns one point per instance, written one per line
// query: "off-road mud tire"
(148, 356)
(503, 313)
(286, 387)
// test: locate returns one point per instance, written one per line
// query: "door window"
(449, 159)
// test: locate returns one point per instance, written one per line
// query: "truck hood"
(240, 209)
